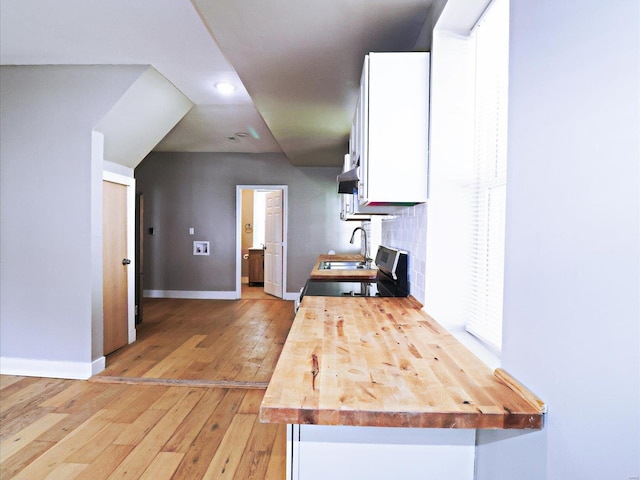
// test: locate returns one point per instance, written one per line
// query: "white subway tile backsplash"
(408, 231)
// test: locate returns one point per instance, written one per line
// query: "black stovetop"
(392, 279)
(321, 288)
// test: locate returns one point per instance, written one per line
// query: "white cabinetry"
(389, 138)
(350, 208)
(320, 452)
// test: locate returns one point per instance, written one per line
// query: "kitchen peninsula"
(375, 388)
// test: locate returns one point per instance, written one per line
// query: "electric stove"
(392, 279)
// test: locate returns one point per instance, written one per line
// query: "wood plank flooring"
(175, 419)
(256, 292)
(183, 339)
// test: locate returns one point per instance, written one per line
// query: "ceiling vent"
(236, 137)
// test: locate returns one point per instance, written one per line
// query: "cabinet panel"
(256, 266)
(391, 129)
(339, 452)
(350, 207)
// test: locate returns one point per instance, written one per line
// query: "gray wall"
(183, 190)
(571, 306)
(50, 209)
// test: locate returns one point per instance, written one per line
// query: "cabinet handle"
(126, 261)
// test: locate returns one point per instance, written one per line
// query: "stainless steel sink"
(343, 265)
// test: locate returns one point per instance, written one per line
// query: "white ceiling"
(296, 64)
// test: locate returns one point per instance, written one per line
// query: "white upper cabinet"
(389, 138)
(350, 208)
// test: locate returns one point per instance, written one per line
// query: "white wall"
(187, 189)
(48, 181)
(572, 309)
(450, 175)
(448, 276)
(141, 118)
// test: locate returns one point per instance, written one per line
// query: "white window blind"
(490, 168)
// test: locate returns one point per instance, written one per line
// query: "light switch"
(191, 231)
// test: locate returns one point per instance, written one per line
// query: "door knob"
(126, 261)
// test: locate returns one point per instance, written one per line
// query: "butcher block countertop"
(384, 362)
(344, 275)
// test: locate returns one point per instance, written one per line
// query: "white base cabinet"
(320, 452)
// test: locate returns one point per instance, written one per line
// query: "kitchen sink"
(343, 265)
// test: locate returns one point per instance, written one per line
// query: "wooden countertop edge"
(345, 276)
(402, 419)
(526, 394)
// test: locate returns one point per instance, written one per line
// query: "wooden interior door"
(273, 240)
(114, 266)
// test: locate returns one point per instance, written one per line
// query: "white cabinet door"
(350, 208)
(393, 135)
(337, 452)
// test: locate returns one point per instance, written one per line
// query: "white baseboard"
(98, 365)
(196, 294)
(291, 296)
(28, 367)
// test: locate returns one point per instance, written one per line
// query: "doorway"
(261, 231)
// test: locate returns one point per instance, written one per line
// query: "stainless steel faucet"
(366, 243)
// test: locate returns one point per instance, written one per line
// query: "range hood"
(348, 182)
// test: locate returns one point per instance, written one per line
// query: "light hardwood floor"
(256, 292)
(238, 342)
(164, 407)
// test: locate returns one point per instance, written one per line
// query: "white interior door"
(273, 241)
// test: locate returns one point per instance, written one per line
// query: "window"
(491, 37)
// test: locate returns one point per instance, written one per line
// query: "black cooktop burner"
(320, 288)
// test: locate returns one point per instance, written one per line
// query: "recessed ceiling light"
(225, 88)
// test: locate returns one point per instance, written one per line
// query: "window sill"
(476, 346)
